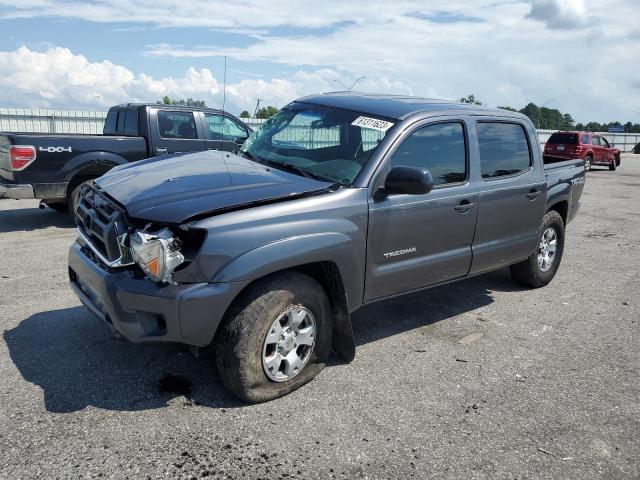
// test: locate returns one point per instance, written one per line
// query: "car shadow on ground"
(77, 362)
(29, 219)
(407, 312)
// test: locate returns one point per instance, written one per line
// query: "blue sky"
(86, 54)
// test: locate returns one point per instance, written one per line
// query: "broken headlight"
(157, 254)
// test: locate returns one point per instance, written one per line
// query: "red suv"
(592, 148)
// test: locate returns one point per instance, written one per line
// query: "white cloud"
(505, 52)
(561, 14)
(58, 78)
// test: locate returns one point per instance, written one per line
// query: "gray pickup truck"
(337, 201)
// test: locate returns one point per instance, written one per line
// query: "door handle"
(464, 206)
(532, 195)
(161, 151)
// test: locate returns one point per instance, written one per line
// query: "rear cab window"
(585, 139)
(177, 125)
(504, 149)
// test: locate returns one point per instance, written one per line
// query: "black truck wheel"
(541, 266)
(275, 338)
(73, 197)
(613, 165)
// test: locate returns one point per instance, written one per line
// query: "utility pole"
(255, 112)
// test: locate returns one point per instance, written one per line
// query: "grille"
(102, 222)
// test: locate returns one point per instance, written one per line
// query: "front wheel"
(541, 266)
(275, 338)
(613, 165)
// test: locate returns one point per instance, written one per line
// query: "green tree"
(470, 99)
(266, 112)
(245, 114)
(189, 102)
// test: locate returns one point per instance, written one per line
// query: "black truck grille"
(102, 222)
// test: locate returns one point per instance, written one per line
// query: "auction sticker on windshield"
(373, 123)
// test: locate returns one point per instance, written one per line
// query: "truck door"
(597, 149)
(223, 132)
(512, 195)
(175, 131)
(419, 240)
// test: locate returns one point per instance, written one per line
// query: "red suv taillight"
(20, 156)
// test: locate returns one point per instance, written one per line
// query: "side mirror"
(612, 145)
(408, 180)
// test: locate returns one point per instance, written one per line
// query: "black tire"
(528, 272)
(613, 166)
(588, 162)
(241, 337)
(72, 201)
(59, 207)
(618, 161)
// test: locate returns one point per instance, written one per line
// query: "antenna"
(224, 98)
(255, 112)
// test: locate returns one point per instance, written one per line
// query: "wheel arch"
(562, 207)
(330, 259)
(90, 165)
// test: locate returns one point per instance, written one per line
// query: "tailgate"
(5, 171)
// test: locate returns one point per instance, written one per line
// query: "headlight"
(157, 254)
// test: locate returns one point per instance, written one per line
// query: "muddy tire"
(541, 266)
(275, 338)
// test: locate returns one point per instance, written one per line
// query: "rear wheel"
(274, 339)
(541, 266)
(73, 198)
(588, 161)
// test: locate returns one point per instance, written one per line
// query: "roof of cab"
(398, 106)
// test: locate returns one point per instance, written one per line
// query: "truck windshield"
(322, 142)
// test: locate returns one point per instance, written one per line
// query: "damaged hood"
(174, 189)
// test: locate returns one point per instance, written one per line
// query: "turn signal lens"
(21, 156)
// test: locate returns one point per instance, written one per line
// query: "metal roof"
(398, 106)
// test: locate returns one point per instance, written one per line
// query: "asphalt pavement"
(477, 379)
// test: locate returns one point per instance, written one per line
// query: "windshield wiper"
(300, 171)
(249, 156)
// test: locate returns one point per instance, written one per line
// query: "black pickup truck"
(54, 167)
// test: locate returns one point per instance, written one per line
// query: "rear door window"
(585, 139)
(440, 148)
(131, 122)
(504, 149)
(177, 125)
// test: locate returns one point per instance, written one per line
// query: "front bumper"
(16, 191)
(143, 311)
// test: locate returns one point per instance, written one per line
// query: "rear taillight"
(20, 156)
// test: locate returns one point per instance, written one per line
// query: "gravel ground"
(479, 379)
